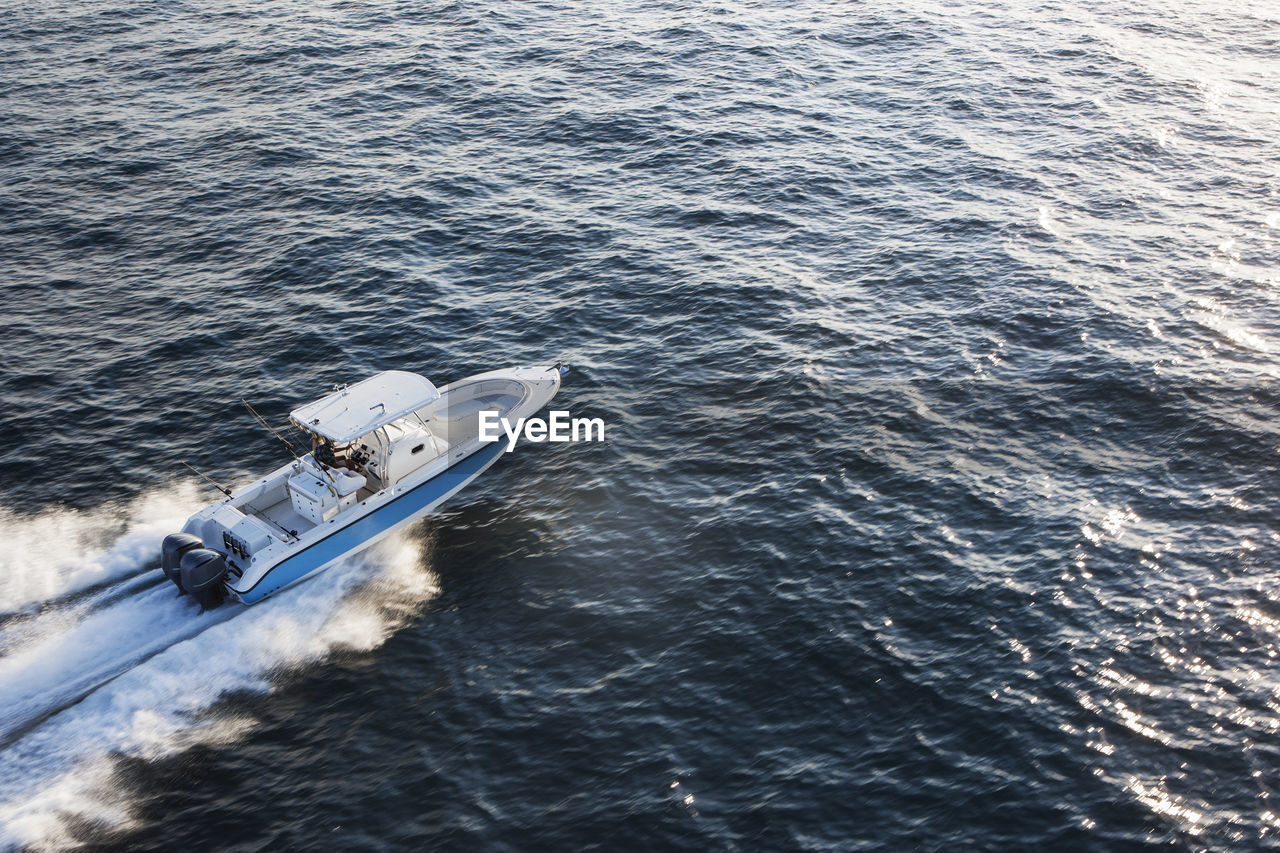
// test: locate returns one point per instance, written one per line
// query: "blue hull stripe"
(398, 510)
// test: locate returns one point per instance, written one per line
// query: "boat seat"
(344, 480)
(312, 494)
(348, 482)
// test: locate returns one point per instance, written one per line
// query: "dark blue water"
(937, 345)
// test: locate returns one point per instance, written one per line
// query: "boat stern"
(217, 545)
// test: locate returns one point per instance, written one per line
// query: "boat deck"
(461, 422)
(282, 514)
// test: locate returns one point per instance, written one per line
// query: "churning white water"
(101, 658)
(63, 551)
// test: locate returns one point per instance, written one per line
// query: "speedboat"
(385, 451)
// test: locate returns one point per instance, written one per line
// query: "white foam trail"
(60, 552)
(61, 773)
(67, 660)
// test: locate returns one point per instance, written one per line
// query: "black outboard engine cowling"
(175, 545)
(202, 572)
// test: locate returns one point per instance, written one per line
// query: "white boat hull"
(346, 541)
(266, 546)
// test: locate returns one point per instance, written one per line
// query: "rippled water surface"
(937, 345)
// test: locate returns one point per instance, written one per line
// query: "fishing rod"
(260, 419)
(211, 482)
(332, 484)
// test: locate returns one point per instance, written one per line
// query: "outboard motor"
(175, 545)
(201, 572)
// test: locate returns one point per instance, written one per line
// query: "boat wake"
(100, 659)
(58, 555)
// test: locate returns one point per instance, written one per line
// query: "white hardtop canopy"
(359, 409)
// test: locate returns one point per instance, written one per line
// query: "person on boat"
(326, 455)
(330, 456)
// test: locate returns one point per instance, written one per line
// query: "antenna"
(260, 419)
